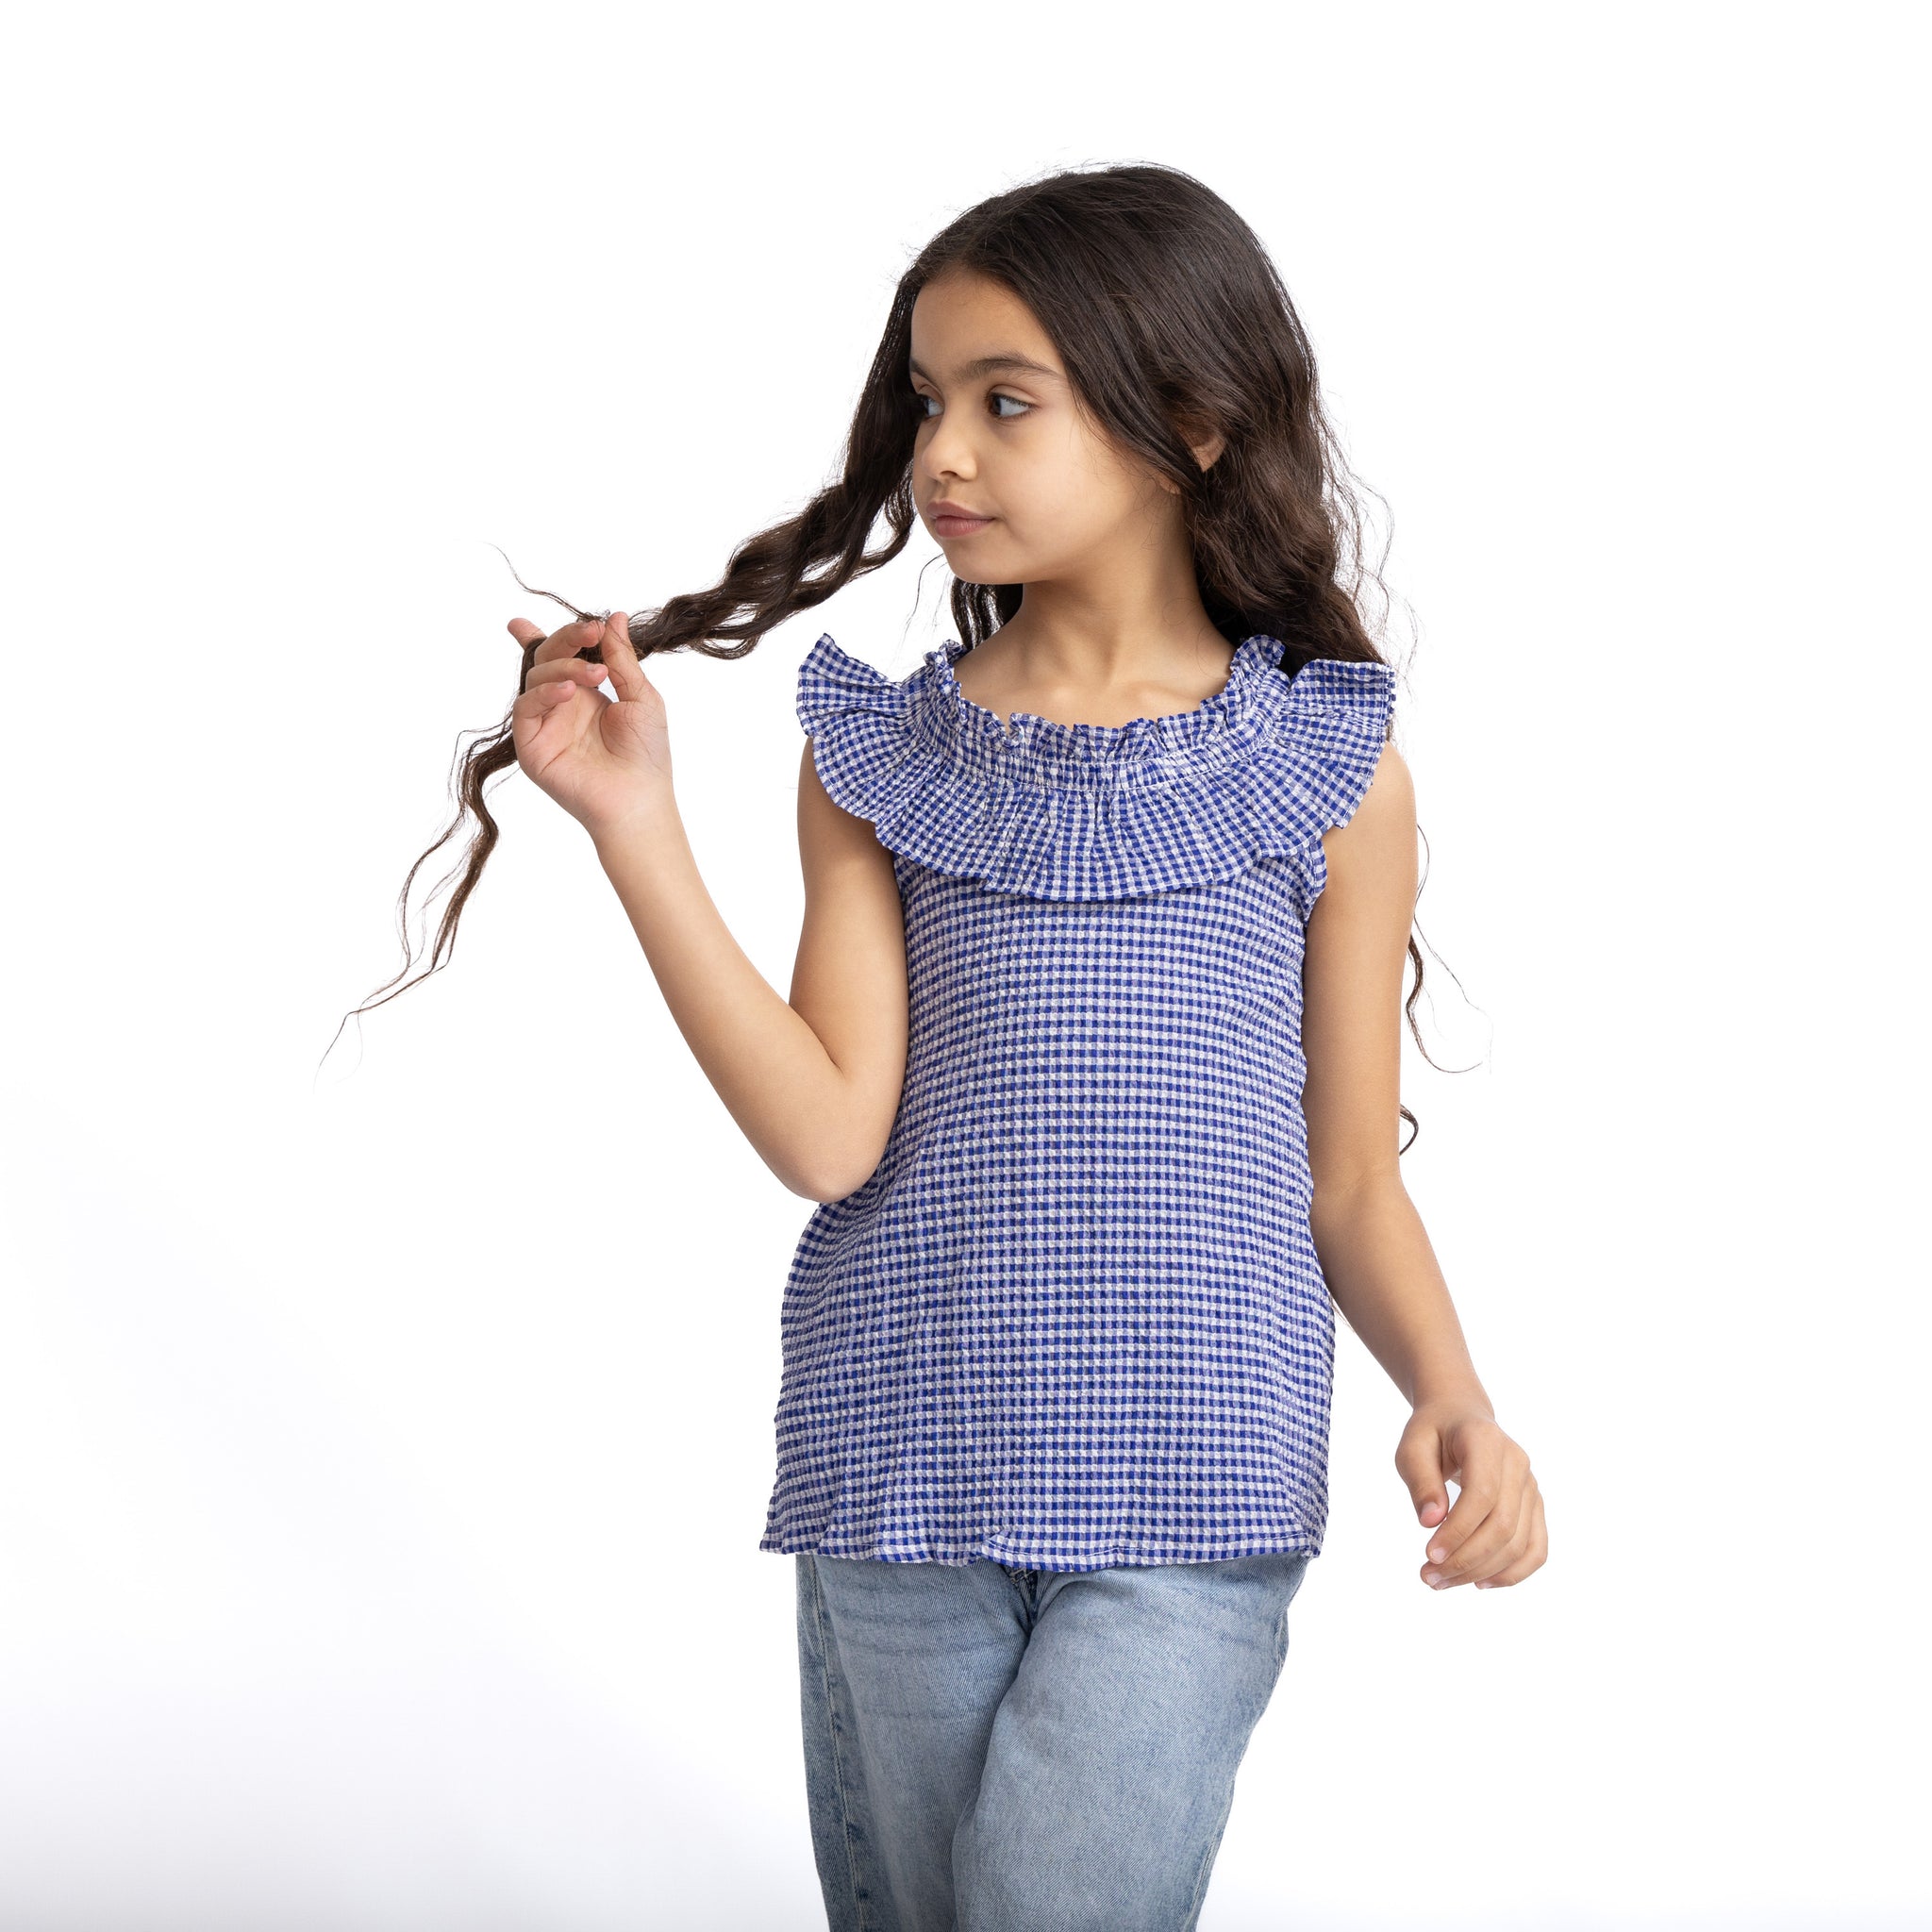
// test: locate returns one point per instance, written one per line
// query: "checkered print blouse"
(1075, 1317)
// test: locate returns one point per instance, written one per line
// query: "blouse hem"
(1022, 1555)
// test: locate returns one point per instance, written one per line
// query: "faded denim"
(990, 1748)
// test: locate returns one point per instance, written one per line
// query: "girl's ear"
(1206, 452)
(1207, 447)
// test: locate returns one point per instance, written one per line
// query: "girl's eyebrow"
(989, 365)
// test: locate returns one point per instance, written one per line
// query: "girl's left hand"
(1495, 1535)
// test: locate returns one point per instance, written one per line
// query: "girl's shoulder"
(1076, 811)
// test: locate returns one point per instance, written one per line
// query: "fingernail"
(1436, 1554)
(1431, 1577)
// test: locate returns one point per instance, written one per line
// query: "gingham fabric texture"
(1074, 1317)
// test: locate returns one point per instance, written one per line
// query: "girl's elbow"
(828, 1181)
(1339, 1191)
(833, 1168)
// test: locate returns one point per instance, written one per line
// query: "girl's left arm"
(1374, 1249)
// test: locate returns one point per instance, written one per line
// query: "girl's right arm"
(814, 1082)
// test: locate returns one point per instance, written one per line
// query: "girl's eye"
(920, 399)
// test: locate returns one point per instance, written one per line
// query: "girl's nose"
(948, 452)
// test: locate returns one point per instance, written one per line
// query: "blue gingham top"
(1074, 1317)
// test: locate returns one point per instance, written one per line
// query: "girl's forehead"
(980, 329)
(961, 300)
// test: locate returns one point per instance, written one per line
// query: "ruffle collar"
(1031, 750)
(1071, 811)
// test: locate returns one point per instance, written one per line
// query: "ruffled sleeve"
(1079, 811)
(860, 727)
(1337, 720)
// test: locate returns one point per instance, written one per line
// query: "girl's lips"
(944, 525)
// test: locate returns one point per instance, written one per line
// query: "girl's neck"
(1096, 673)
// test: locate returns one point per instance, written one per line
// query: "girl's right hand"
(603, 761)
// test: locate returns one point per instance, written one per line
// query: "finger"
(1494, 1544)
(1486, 1461)
(545, 697)
(1531, 1560)
(619, 658)
(565, 641)
(1453, 1530)
(1489, 1552)
(1419, 1463)
(527, 633)
(1475, 1508)
(571, 670)
(534, 708)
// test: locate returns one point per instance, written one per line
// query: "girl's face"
(1002, 437)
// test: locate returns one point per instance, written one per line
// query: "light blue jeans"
(987, 1748)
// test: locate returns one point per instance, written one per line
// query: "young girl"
(1090, 1060)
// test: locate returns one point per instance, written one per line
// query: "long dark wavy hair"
(1172, 325)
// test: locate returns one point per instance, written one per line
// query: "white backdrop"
(384, 1450)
